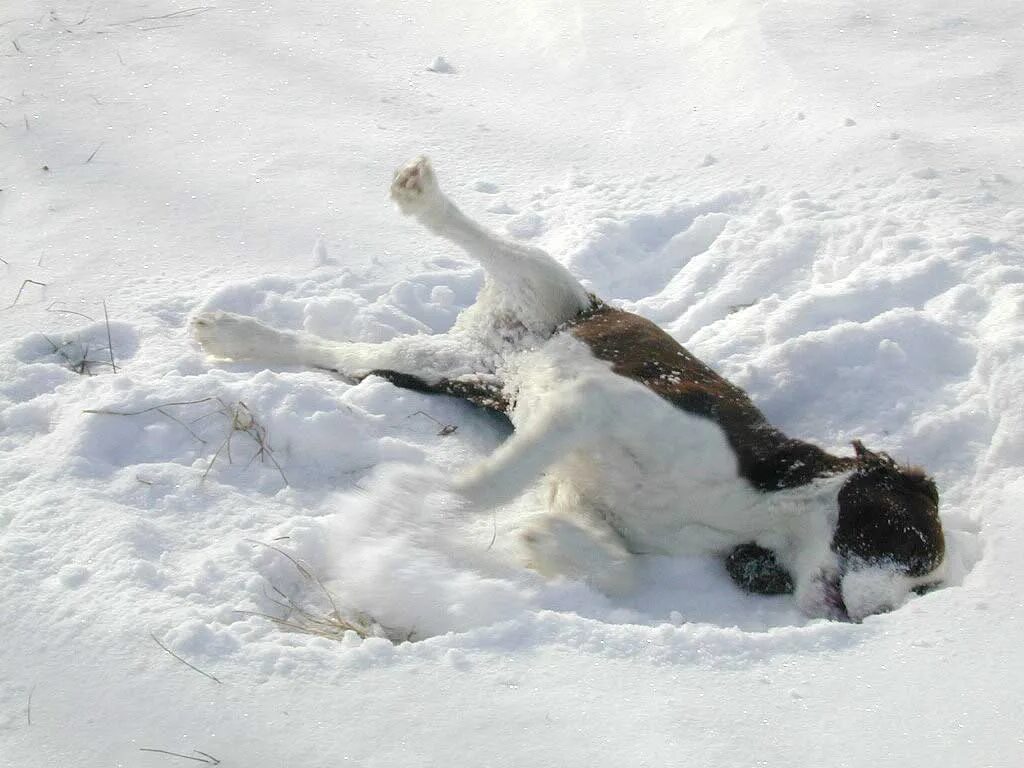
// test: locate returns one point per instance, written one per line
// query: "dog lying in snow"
(644, 449)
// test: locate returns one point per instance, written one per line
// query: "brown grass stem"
(187, 664)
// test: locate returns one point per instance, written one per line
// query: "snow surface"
(858, 232)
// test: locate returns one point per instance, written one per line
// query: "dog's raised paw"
(415, 187)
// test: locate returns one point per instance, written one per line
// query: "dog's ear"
(863, 454)
(866, 459)
(916, 478)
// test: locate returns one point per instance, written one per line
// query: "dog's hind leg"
(428, 359)
(523, 281)
(581, 546)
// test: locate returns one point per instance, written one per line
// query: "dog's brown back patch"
(639, 350)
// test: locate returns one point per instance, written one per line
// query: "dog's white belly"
(665, 479)
(665, 494)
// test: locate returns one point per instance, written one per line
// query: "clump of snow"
(525, 225)
(441, 66)
(321, 257)
(502, 208)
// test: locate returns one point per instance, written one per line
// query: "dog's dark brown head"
(889, 517)
(888, 536)
(887, 541)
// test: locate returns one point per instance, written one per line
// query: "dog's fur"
(644, 448)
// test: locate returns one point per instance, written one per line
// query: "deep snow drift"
(858, 226)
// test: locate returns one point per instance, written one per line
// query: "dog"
(643, 448)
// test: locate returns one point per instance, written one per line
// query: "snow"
(853, 257)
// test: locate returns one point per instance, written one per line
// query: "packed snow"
(823, 200)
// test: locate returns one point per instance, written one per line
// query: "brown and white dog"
(644, 448)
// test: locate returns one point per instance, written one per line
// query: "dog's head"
(888, 538)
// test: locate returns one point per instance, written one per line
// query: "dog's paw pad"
(415, 187)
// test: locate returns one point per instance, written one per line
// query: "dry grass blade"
(331, 624)
(216, 454)
(67, 311)
(187, 664)
(446, 429)
(494, 531)
(205, 758)
(240, 420)
(302, 569)
(106, 319)
(147, 410)
(89, 159)
(243, 420)
(83, 368)
(22, 288)
(185, 13)
(28, 706)
(80, 364)
(175, 419)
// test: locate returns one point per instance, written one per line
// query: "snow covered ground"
(804, 193)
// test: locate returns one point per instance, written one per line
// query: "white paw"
(415, 187)
(559, 547)
(223, 334)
